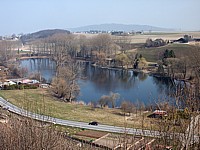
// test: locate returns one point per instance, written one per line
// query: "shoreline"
(145, 71)
(120, 69)
(32, 57)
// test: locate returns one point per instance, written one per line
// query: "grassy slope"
(151, 54)
(38, 100)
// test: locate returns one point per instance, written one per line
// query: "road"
(100, 127)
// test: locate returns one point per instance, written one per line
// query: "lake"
(95, 82)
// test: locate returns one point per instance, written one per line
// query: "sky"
(27, 16)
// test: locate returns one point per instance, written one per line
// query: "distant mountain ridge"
(42, 34)
(118, 27)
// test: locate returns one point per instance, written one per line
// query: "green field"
(39, 101)
(152, 54)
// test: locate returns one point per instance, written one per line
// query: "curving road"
(100, 127)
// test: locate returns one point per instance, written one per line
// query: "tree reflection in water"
(95, 82)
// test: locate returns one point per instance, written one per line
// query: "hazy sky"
(23, 16)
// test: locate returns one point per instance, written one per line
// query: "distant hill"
(41, 34)
(118, 27)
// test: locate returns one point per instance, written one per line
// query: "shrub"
(20, 87)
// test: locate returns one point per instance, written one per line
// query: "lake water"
(95, 82)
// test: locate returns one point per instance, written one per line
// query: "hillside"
(118, 27)
(181, 50)
(42, 34)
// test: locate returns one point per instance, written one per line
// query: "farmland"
(180, 50)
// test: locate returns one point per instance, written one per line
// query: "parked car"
(93, 123)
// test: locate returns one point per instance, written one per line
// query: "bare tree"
(122, 59)
(127, 107)
(28, 134)
(102, 44)
(19, 71)
(64, 85)
(124, 42)
(104, 101)
(84, 44)
(113, 98)
(6, 51)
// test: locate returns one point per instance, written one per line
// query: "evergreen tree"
(171, 54)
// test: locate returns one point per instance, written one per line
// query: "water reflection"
(110, 80)
(95, 82)
(44, 66)
(165, 85)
